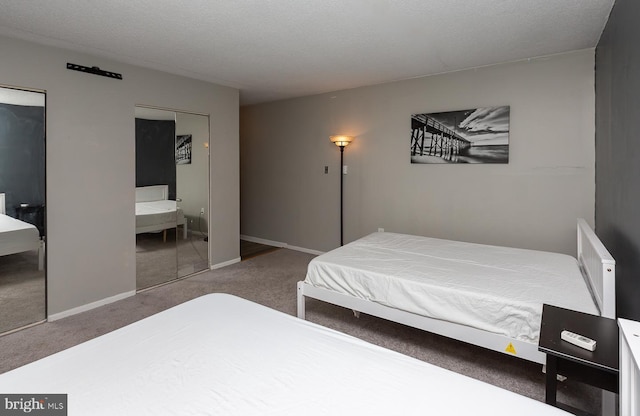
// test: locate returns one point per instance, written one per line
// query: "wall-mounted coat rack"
(94, 70)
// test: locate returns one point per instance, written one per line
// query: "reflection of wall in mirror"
(22, 154)
(193, 179)
(155, 159)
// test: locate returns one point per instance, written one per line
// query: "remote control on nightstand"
(579, 340)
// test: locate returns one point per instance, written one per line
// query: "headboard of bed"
(152, 193)
(599, 269)
(3, 209)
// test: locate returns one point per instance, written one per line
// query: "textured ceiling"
(275, 49)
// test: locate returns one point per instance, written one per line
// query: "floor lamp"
(341, 142)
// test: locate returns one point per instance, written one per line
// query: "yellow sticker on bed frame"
(511, 349)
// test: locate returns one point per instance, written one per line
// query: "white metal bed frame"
(38, 244)
(159, 193)
(596, 264)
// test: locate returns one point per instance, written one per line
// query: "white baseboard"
(90, 306)
(263, 241)
(279, 244)
(305, 250)
(225, 263)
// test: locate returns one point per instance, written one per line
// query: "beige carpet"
(22, 291)
(249, 249)
(270, 279)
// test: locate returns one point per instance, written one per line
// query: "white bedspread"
(222, 355)
(158, 215)
(155, 212)
(17, 236)
(496, 289)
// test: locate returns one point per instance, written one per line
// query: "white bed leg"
(301, 311)
(41, 256)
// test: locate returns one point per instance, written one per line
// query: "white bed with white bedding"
(485, 295)
(222, 355)
(18, 236)
(155, 212)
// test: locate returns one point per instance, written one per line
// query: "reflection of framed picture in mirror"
(183, 149)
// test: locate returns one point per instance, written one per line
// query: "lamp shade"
(341, 140)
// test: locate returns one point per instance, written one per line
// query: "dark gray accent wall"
(22, 156)
(155, 153)
(618, 150)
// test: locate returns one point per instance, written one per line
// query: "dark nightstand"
(33, 214)
(598, 368)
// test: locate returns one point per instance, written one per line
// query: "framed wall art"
(479, 135)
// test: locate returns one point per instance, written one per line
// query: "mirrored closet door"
(172, 194)
(192, 180)
(22, 208)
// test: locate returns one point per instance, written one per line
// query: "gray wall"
(532, 202)
(618, 150)
(91, 165)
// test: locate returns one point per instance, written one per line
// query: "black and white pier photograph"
(183, 149)
(479, 135)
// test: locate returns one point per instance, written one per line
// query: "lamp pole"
(341, 179)
(341, 142)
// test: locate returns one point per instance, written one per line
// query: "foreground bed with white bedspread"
(222, 355)
(629, 367)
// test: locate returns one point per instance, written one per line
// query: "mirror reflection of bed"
(172, 194)
(22, 208)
